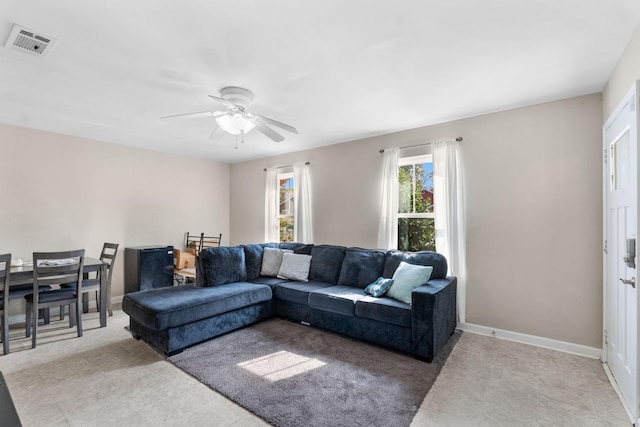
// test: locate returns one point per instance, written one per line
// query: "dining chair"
(5, 277)
(108, 256)
(9, 293)
(55, 268)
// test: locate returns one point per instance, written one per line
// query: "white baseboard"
(566, 347)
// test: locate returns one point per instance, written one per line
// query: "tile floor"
(106, 378)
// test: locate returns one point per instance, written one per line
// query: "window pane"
(286, 229)
(405, 189)
(416, 234)
(286, 196)
(423, 192)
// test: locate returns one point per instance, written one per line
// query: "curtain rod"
(287, 166)
(459, 139)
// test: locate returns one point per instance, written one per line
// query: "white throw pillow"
(271, 260)
(295, 267)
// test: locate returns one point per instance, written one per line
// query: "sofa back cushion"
(253, 258)
(297, 248)
(436, 260)
(222, 264)
(361, 267)
(326, 261)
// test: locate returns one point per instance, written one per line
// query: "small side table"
(184, 276)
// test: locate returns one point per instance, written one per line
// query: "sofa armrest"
(433, 316)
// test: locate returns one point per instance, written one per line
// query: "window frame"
(280, 176)
(415, 160)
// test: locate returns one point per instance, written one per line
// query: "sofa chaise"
(235, 288)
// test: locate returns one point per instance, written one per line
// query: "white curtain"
(302, 224)
(448, 185)
(271, 226)
(388, 226)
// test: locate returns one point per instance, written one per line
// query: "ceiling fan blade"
(224, 102)
(190, 115)
(277, 123)
(264, 128)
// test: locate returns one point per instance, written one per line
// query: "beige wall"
(533, 211)
(625, 73)
(118, 194)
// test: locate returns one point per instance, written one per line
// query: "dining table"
(21, 275)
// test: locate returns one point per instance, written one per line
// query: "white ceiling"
(338, 70)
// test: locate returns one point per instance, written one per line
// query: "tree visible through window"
(416, 229)
(286, 206)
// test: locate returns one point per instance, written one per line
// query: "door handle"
(631, 282)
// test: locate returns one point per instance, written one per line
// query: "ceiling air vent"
(29, 42)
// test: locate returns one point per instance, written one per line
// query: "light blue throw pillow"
(379, 287)
(406, 278)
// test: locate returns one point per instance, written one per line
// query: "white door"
(620, 139)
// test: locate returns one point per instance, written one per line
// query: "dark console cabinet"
(147, 267)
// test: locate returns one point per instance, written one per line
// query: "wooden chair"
(108, 255)
(55, 268)
(5, 277)
(10, 293)
(199, 242)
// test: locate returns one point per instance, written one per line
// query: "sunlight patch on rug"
(280, 365)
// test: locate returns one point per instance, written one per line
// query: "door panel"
(620, 139)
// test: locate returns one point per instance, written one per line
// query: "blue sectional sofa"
(230, 293)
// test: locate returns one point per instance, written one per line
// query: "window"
(286, 206)
(416, 229)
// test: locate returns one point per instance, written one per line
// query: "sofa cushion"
(384, 310)
(436, 260)
(326, 262)
(221, 265)
(297, 248)
(253, 258)
(338, 299)
(361, 267)
(271, 260)
(163, 308)
(269, 281)
(295, 267)
(297, 292)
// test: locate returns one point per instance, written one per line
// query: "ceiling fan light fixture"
(235, 124)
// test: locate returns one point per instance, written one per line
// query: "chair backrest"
(5, 277)
(50, 268)
(108, 255)
(199, 242)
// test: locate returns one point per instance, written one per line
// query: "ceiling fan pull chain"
(236, 142)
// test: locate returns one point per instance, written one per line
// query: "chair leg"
(73, 321)
(46, 315)
(98, 301)
(62, 308)
(27, 321)
(34, 324)
(5, 331)
(85, 302)
(79, 315)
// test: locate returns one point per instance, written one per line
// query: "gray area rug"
(293, 375)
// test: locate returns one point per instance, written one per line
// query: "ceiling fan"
(235, 118)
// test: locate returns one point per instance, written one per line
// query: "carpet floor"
(294, 375)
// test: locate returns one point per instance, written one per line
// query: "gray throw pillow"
(271, 260)
(295, 267)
